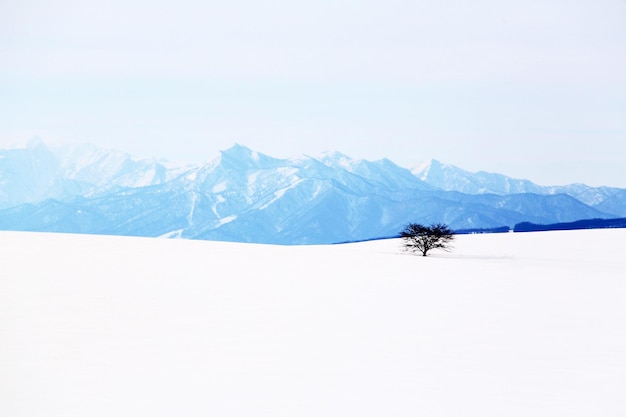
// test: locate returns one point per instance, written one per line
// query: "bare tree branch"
(422, 239)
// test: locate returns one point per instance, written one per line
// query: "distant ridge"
(451, 178)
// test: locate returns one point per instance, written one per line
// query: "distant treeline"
(577, 225)
(534, 227)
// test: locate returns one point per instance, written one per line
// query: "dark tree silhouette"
(420, 238)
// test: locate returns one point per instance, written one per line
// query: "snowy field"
(504, 325)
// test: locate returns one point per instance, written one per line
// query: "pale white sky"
(533, 89)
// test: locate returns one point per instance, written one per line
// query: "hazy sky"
(533, 89)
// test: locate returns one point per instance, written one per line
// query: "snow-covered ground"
(504, 325)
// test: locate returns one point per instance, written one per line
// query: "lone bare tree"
(420, 238)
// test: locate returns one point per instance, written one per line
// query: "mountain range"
(246, 196)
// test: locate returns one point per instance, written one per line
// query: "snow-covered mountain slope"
(243, 195)
(512, 324)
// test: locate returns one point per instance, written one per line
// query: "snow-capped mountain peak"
(242, 157)
(35, 143)
(431, 169)
(335, 159)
